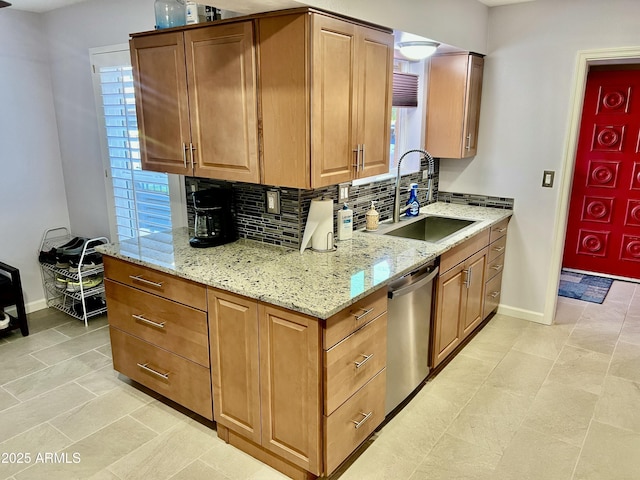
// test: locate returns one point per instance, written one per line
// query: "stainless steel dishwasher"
(408, 324)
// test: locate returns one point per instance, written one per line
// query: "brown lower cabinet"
(284, 395)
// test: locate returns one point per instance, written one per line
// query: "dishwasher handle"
(418, 283)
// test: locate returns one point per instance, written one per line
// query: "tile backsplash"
(287, 227)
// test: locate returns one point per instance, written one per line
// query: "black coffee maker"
(215, 222)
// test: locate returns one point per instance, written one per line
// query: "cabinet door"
(375, 73)
(290, 378)
(472, 106)
(333, 101)
(450, 303)
(223, 101)
(160, 85)
(233, 333)
(475, 268)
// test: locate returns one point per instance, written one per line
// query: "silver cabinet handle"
(498, 249)
(363, 157)
(149, 322)
(502, 230)
(363, 314)
(145, 366)
(357, 165)
(366, 416)
(467, 280)
(494, 294)
(184, 154)
(362, 362)
(192, 148)
(468, 147)
(138, 278)
(497, 268)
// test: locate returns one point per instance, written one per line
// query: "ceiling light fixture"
(417, 50)
(4, 4)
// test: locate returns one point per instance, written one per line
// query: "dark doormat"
(581, 286)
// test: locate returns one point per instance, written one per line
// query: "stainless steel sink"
(431, 228)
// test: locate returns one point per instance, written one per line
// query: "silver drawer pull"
(149, 322)
(366, 416)
(366, 359)
(138, 278)
(497, 268)
(145, 366)
(494, 294)
(498, 249)
(363, 314)
(502, 230)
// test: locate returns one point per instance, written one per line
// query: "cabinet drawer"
(348, 320)
(494, 267)
(176, 378)
(169, 325)
(353, 422)
(497, 248)
(351, 363)
(492, 294)
(498, 230)
(168, 286)
(460, 253)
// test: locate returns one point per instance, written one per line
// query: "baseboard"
(29, 307)
(529, 315)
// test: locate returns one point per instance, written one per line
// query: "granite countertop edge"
(312, 283)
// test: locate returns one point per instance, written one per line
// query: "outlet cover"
(343, 192)
(273, 201)
(547, 178)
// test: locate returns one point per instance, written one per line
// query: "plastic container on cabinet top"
(170, 13)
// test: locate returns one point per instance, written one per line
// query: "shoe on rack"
(92, 304)
(70, 247)
(89, 262)
(87, 283)
(5, 320)
(61, 282)
(63, 261)
(47, 256)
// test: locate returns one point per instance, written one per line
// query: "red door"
(603, 232)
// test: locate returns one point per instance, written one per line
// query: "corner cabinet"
(299, 98)
(336, 93)
(196, 101)
(453, 104)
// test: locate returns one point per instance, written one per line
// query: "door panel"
(603, 231)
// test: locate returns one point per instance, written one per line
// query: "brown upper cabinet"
(453, 105)
(196, 101)
(312, 89)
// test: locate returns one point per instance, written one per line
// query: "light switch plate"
(273, 201)
(343, 192)
(547, 178)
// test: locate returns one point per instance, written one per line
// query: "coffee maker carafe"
(215, 222)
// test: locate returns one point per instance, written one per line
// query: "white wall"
(32, 196)
(526, 100)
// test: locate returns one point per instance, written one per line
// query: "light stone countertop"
(317, 284)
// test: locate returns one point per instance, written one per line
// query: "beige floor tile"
(104, 475)
(46, 318)
(230, 461)
(596, 338)
(158, 416)
(166, 454)
(6, 399)
(520, 372)
(454, 458)
(105, 350)
(76, 328)
(562, 412)
(491, 400)
(25, 345)
(580, 368)
(39, 440)
(378, 463)
(60, 373)
(26, 415)
(609, 315)
(489, 432)
(74, 346)
(536, 456)
(17, 367)
(620, 292)
(94, 452)
(626, 362)
(609, 453)
(102, 380)
(568, 311)
(631, 330)
(487, 349)
(619, 404)
(542, 340)
(198, 471)
(97, 413)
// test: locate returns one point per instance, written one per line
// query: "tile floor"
(521, 401)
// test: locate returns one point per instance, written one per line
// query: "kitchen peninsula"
(263, 340)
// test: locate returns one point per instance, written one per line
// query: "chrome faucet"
(430, 172)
